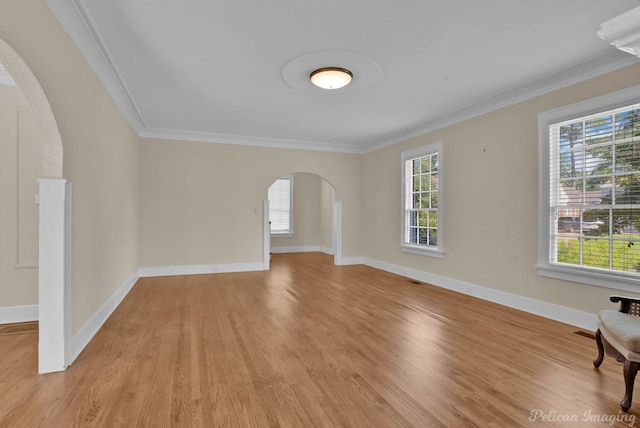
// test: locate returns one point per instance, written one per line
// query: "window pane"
(413, 235)
(628, 124)
(423, 236)
(628, 156)
(413, 218)
(571, 136)
(433, 237)
(424, 200)
(599, 130)
(433, 219)
(279, 195)
(421, 208)
(628, 189)
(426, 164)
(595, 191)
(569, 251)
(595, 253)
(416, 166)
(426, 185)
(423, 218)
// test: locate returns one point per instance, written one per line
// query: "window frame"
(287, 233)
(617, 280)
(422, 249)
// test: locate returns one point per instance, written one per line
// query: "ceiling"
(236, 71)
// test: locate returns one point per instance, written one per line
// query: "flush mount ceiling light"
(331, 77)
(297, 72)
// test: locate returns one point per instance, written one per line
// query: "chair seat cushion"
(624, 327)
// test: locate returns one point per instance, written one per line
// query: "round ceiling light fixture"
(331, 77)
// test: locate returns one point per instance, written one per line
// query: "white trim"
(200, 269)
(415, 249)
(302, 249)
(82, 338)
(54, 275)
(348, 261)
(336, 231)
(248, 140)
(13, 314)
(537, 307)
(75, 22)
(282, 235)
(608, 279)
(266, 237)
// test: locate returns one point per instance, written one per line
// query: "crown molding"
(76, 23)
(590, 69)
(244, 140)
(623, 31)
(78, 26)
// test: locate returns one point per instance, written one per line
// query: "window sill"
(422, 251)
(282, 235)
(599, 278)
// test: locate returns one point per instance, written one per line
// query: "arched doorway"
(54, 223)
(316, 218)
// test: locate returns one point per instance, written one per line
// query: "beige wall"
(490, 197)
(312, 204)
(201, 203)
(100, 155)
(20, 166)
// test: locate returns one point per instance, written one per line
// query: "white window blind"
(594, 194)
(280, 206)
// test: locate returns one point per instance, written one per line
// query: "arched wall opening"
(316, 215)
(54, 256)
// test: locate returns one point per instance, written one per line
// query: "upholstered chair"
(618, 335)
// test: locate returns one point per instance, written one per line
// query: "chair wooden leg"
(630, 371)
(598, 360)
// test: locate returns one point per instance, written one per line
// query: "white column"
(54, 275)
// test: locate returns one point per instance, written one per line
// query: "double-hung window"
(422, 200)
(281, 206)
(590, 191)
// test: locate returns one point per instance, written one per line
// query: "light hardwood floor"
(309, 344)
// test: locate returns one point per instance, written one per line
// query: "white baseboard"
(544, 309)
(14, 314)
(302, 249)
(200, 269)
(81, 339)
(346, 261)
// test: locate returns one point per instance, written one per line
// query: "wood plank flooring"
(19, 328)
(309, 344)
